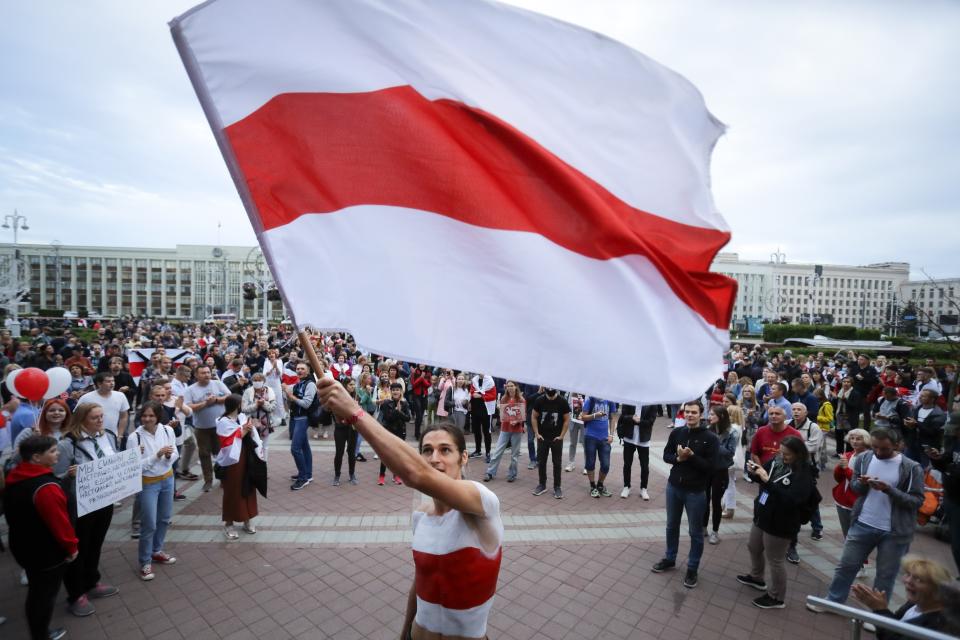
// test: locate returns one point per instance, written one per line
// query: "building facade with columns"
(860, 296)
(186, 282)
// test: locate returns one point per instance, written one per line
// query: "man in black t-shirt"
(550, 420)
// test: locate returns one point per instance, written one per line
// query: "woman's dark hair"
(799, 450)
(34, 445)
(448, 427)
(155, 406)
(723, 418)
(231, 404)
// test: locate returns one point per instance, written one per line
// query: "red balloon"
(31, 384)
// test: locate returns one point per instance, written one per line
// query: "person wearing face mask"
(550, 420)
(260, 405)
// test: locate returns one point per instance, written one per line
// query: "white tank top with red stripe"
(456, 576)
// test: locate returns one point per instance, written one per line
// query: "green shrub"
(780, 332)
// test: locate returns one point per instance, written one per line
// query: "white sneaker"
(644, 494)
(625, 492)
(570, 467)
(584, 472)
(714, 538)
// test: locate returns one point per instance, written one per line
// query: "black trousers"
(344, 437)
(480, 420)
(715, 490)
(83, 573)
(41, 597)
(555, 449)
(418, 406)
(643, 455)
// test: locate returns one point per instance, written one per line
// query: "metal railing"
(860, 616)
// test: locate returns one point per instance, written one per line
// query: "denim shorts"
(592, 447)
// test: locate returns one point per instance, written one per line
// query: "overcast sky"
(842, 147)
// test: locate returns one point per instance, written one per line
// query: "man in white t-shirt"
(883, 517)
(116, 408)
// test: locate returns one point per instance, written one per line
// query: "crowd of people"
(213, 395)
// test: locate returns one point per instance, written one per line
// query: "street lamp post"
(16, 222)
(260, 282)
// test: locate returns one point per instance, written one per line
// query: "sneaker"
(584, 472)
(102, 590)
(207, 486)
(81, 607)
(713, 538)
(163, 558)
(57, 634)
(360, 458)
(486, 458)
(187, 476)
(766, 601)
(376, 457)
(299, 484)
(750, 581)
(230, 532)
(487, 478)
(397, 480)
(540, 490)
(817, 536)
(135, 533)
(248, 528)
(475, 454)
(792, 555)
(335, 483)
(728, 514)
(146, 573)
(353, 480)
(179, 496)
(570, 467)
(511, 478)
(815, 608)
(664, 565)
(380, 480)
(690, 580)
(644, 495)
(625, 492)
(531, 465)
(558, 493)
(594, 493)
(605, 492)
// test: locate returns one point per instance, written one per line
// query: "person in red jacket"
(420, 381)
(42, 539)
(843, 495)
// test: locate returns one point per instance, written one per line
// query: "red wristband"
(352, 420)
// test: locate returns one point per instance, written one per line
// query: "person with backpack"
(42, 539)
(86, 440)
(303, 401)
(788, 494)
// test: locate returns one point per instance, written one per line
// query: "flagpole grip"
(311, 353)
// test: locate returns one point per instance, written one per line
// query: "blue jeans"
(592, 447)
(156, 505)
(861, 540)
(514, 440)
(300, 448)
(695, 502)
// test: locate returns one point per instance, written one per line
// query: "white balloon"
(9, 382)
(60, 379)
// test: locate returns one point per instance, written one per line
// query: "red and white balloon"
(36, 384)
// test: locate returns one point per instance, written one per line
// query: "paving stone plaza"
(335, 562)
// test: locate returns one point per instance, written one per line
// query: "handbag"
(219, 472)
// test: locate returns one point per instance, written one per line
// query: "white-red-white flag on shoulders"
(468, 184)
(139, 359)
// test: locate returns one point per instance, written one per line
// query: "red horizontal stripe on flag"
(322, 152)
(226, 441)
(462, 579)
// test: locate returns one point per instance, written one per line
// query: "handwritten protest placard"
(104, 481)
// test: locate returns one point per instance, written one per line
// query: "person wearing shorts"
(597, 440)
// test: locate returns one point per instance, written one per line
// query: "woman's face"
(731, 378)
(727, 402)
(856, 441)
(788, 457)
(917, 588)
(510, 388)
(351, 386)
(94, 420)
(148, 418)
(440, 452)
(460, 381)
(56, 414)
(712, 418)
(748, 394)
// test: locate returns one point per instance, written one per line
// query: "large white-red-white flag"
(468, 184)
